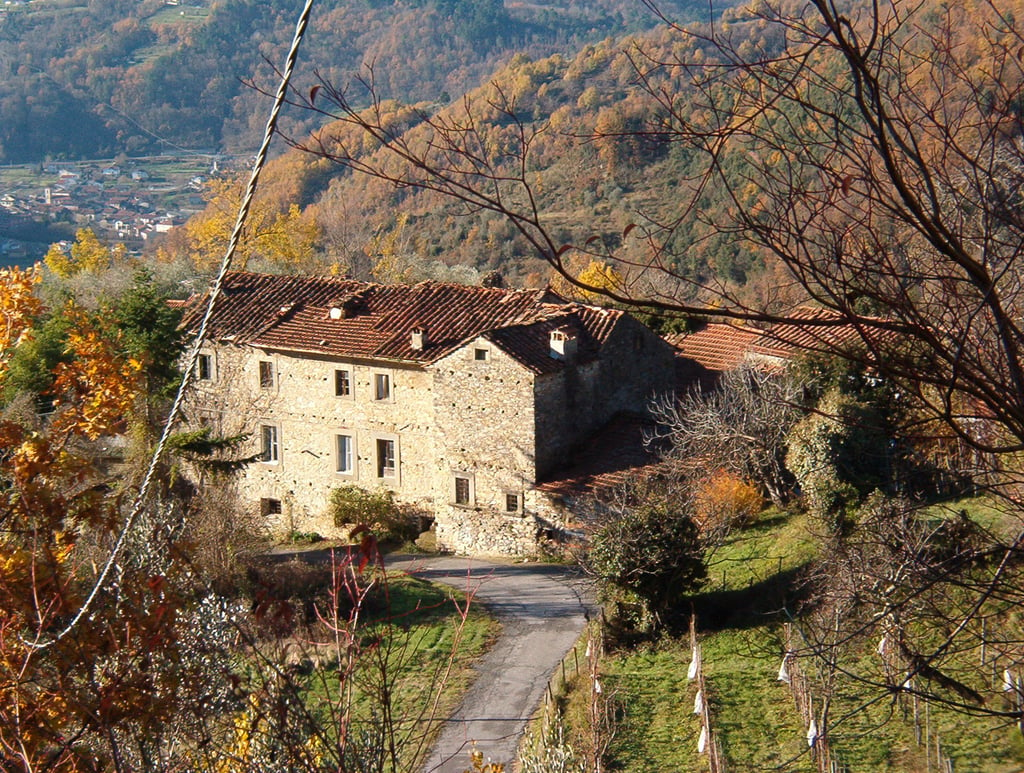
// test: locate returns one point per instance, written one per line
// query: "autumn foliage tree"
(86, 254)
(52, 495)
(276, 232)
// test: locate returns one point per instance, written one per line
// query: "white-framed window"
(266, 374)
(513, 502)
(270, 450)
(343, 382)
(463, 489)
(387, 458)
(345, 454)
(382, 386)
(204, 367)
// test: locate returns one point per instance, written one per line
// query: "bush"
(390, 521)
(304, 537)
(647, 559)
(839, 454)
(724, 501)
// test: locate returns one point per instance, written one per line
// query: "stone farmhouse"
(461, 400)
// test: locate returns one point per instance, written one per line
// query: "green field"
(754, 587)
(178, 14)
(428, 656)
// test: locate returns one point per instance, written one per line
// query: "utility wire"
(193, 357)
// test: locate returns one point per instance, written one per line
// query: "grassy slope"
(754, 714)
(428, 679)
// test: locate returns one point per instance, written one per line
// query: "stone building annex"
(461, 400)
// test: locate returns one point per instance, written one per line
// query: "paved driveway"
(542, 610)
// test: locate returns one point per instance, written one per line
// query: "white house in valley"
(461, 400)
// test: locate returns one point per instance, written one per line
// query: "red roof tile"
(793, 339)
(718, 346)
(294, 314)
(721, 346)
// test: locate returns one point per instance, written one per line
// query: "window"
(204, 367)
(461, 490)
(381, 386)
(385, 458)
(270, 507)
(342, 383)
(346, 454)
(269, 451)
(480, 355)
(511, 503)
(266, 374)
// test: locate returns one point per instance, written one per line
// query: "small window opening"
(381, 386)
(385, 458)
(266, 374)
(269, 443)
(342, 383)
(345, 455)
(461, 490)
(205, 367)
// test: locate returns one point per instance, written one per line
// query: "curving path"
(542, 610)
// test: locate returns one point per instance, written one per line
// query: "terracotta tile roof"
(530, 343)
(721, 346)
(291, 313)
(615, 454)
(718, 346)
(793, 339)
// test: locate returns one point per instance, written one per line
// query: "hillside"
(594, 166)
(597, 143)
(83, 79)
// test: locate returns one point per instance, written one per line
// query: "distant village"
(128, 202)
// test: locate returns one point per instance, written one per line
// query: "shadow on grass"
(768, 522)
(748, 607)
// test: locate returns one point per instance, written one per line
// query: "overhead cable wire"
(193, 356)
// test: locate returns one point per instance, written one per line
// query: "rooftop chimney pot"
(419, 338)
(563, 345)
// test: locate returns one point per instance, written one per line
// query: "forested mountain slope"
(596, 164)
(92, 78)
(602, 143)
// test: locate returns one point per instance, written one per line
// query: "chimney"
(419, 338)
(563, 345)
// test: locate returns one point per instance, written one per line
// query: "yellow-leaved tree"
(86, 254)
(19, 306)
(590, 278)
(287, 238)
(60, 509)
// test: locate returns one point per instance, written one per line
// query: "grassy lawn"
(427, 656)
(754, 586)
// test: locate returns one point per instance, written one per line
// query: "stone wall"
(484, 408)
(544, 525)
(308, 417)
